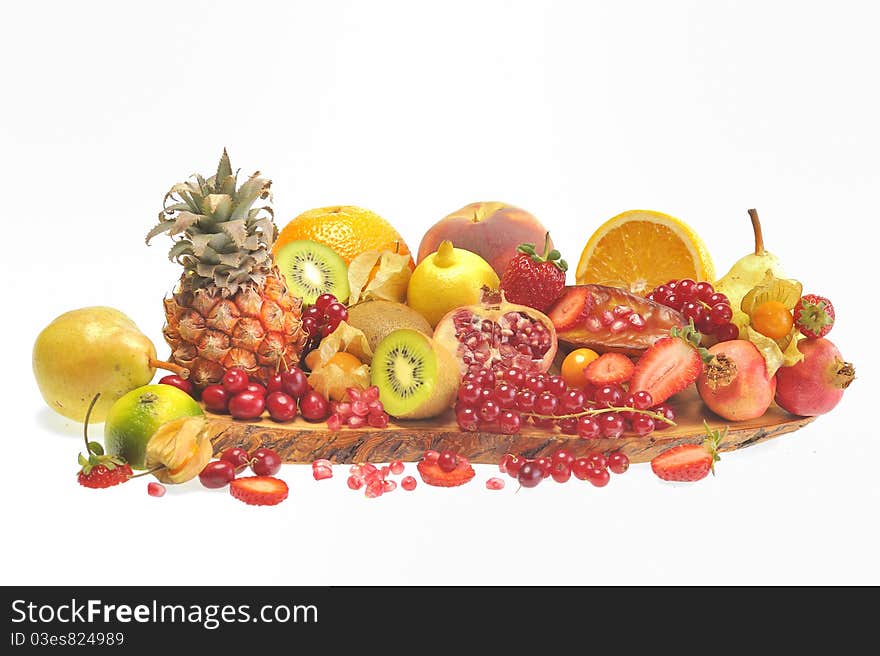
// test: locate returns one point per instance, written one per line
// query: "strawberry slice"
(609, 369)
(259, 490)
(670, 365)
(432, 474)
(689, 462)
(571, 308)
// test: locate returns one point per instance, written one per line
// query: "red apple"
(492, 230)
(735, 385)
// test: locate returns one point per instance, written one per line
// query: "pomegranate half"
(498, 335)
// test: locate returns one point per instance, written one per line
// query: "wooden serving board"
(301, 442)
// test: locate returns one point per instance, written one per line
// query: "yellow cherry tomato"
(574, 364)
(772, 319)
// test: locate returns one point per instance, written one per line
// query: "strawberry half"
(814, 316)
(690, 462)
(572, 308)
(432, 474)
(259, 490)
(609, 369)
(670, 365)
(97, 469)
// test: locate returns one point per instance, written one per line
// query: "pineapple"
(231, 307)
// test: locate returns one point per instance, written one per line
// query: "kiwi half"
(312, 269)
(416, 376)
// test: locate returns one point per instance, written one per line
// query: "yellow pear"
(747, 272)
(87, 351)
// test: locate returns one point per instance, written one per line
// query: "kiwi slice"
(312, 269)
(416, 376)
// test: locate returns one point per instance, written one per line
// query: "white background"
(573, 110)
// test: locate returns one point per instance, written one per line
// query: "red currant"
(514, 377)
(489, 411)
(580, 467)
(265, 462)
(612, 425)
(469, 393)
(236, 456)
(505, 395)
(618, 463)
(447, 461)
(323, 301)
(512, 464)
(217, 474)
(703, 291)
(216, 398)
(589, 428)
(408, 483)
(556, 385)
(546, 403)
(178, 382)
(536, 383)
(568, 425)
(560, 471)
(466, 416)
(335, 312)
(396, 467)
(727, 332)
(281, 406)
(639, 400)
(545, 464)
(685, 287)
(716, 298)
(509, 422)
(313, 406)
(525, 400)
(572, 400)
(642, 425)
(609, 395)
(247, 405)
(721, 313)
(666, 411)
(235, 380)
(598, 477)
(529, 475)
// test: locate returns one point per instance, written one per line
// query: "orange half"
(641, 249)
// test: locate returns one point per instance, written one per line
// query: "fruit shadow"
(55, 423)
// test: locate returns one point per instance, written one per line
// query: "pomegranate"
(498, 335)
(735, 384)
(815, 384)
(611, 319)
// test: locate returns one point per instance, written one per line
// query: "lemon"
(641, 249)
(134, 418)
(447, 279)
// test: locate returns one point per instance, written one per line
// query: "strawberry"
(572, 308)
(259, 490)
(433, 474)
(814, 316)
(97, 469)
(690, 462)
(609, 369)
(670, 365)
(534, 280)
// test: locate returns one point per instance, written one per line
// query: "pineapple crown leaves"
(713, 441)
(692, 336)
(552, 256)
(220, 238)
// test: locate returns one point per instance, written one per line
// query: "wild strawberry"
(444, 476)
(259, 490)
(609, 369)
(670, 365)
(690, 462)
(534, 280)
(814, 316)
(97, 469)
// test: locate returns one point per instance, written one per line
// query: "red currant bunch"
(709, 310)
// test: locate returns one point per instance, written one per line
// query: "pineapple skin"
(258, 328)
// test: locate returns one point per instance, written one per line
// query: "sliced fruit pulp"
(412, 367)
(607, 318)
(514, 340)
(640, 249)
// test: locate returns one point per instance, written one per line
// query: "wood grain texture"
(302, 442)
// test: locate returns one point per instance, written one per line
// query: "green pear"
(89, 351)
(749, 271)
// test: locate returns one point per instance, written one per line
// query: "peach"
(735, 384)
(492, 230)
(814, 385)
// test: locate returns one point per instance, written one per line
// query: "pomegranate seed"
(334, 422)
(353, 393)
(622, 311)
(408, 483)
(370, 395)
(618, 326)
(356, 421)
(388, 486)
(374, 489)
(606, 318)
(156, 489)
(320, 473)
(355, 482)
(384, 471)
(368, 468)
(360, 408)
(396, 467)
(637, 321)
(379, 420)
(593, 324)
(495, 484)
(321, 462)
(356, 470)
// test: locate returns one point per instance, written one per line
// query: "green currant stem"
(86, 422)
(598, 411)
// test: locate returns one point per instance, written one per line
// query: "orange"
(641, 249)
(574, 364)
(346, 229)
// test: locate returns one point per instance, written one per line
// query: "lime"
(134, 418)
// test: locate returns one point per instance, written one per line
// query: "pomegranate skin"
(814, 385)
(749, 392)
